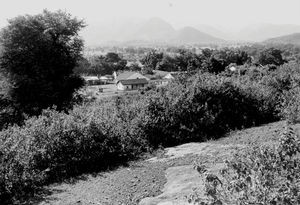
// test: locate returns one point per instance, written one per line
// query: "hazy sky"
(226, 13)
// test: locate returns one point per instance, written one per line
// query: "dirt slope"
(167, 180)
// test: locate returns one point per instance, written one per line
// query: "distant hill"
(261, 32)
(190, 35)
(215, 31)
(148, 32)
(287, 39)
(158, 30)
(154, 29)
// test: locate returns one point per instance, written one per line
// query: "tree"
(103, 65)
(218, 60)
(38, 57)
(150, 60)
(83, 67)
(135, 67)
(271, 56)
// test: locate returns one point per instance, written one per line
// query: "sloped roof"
(133, 81)
(125, 75)
(87, 78)
(160, 73)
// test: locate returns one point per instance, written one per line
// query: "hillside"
(154, 29)
(166, 178)
(157, 30)
(189, 35)
(149, 32)
(261, 32)
(287, 39)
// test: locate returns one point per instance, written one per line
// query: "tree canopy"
(38, 57)
(271, 56)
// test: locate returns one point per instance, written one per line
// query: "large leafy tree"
(151, 60)
(271, 56)
(102, 65)
(38, 57)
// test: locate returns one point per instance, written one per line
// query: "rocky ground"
(166, 180)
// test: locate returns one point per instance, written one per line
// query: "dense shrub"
(259, 175)
(284, 84)
(206, 107)
(57, 145)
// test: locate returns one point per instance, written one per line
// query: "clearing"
(163, 180)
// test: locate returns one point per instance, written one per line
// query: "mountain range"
(156, 30)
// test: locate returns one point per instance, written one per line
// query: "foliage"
(101, 65)
(57, 145)
(259, 175)
(214, 61)
(194, 107)
(134, 67)
(9, 114)
(150, 61)
(284, 84)
(220, 59)
(39, 55)
(200, 108)
(271, 56)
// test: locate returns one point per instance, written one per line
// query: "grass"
(265, 134)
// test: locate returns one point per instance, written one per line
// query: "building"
(106, 78)
(131, 84)
(92, 80)
(127, 75)
(169, 76)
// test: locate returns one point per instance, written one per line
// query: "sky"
(226, 13)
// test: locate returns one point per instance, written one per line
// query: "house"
(232, 69)
(159, 82)
(169, 76)
(159, 73)
(106, 78)
(162, 78)
(131, 84)
(127, 75)
(92, 80)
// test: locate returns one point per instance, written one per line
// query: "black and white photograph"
(150, 102)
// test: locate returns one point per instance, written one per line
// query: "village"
(125, 82)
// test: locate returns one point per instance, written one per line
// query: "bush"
(259, 175)
(57, 145)
(206, 107)
(284, 84)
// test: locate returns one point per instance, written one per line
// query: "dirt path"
(163, 181)
(152, 181)
(183, 179)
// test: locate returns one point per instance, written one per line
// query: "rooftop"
(125, 75)
(133, 81)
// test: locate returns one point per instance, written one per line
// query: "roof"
(133, 81)
(125, 75)
(160, 73)
(90, 78)
(104, 78)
